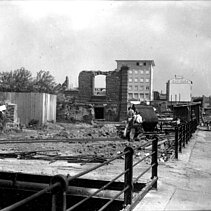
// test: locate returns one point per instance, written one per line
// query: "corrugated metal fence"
(32, 106)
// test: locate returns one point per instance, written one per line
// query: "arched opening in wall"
(100, 85)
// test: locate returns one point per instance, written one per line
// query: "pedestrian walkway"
(184, 184)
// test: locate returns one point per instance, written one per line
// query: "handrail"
(144, 158)
(30, 198)
(183, 134)
(96, 167)
(144, 172)
(115, 197)
(102, 188)
(59, 183)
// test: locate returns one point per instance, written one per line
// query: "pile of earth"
(64, 131)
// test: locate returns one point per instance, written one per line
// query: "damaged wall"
(72, 112)
(11, 113)
(85, 85)
(115, 101)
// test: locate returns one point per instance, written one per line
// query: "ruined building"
(132, 80)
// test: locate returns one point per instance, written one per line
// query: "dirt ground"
(26, 151)
(63, 131)
(55, 141)
(100, 140)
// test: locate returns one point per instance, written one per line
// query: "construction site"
(83, 153)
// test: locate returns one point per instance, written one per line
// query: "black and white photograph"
(105, 105)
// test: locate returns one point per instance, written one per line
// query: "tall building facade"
(131, 81)
(140, 79)
(179, 89)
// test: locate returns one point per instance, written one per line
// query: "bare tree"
(44, 82)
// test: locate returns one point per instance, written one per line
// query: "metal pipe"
(59, 199)
(143, 159)
(144, 172)
(143, 192)
(180, 138)
(96, 167)
(115, 197)
(143, 145)
(30, 198)
(96, 192)
(176, 143)
(128, 180)
(155, 160)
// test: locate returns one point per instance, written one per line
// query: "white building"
(179, 90)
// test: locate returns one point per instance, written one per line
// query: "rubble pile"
(11, 113)
(82, 150)
(86, 131)
(73, 112)
(63, 131)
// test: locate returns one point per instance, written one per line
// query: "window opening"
(100, 85)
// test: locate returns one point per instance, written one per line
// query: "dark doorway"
(99, 112)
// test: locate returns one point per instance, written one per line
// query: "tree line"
(21, 80)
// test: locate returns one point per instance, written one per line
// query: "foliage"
(44, 82)
(21, 80)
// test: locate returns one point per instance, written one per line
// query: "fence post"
(176, 142)
(59, 195)
(180, 138)
(186, 133)
(195, 125)
(183, 135)
(128, 180)
(191, 128)
(154, 160)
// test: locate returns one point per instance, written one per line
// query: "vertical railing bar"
(176, 142)
(180, 138)
(154, 161)
(128, 180)
(59, 196)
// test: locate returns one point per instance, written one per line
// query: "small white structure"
(179, 90)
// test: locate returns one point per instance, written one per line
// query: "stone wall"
(74, 112)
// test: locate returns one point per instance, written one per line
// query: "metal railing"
(58, 186)
(183, 134)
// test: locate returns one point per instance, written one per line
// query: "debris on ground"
(85, 151)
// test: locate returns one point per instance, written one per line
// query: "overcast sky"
(66, 37)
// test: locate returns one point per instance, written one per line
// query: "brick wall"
(116, 92)
(113, 86)
(123, 91)
(86, 79)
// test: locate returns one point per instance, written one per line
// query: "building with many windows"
(179, 89)
(131, 81)
(140, 79)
